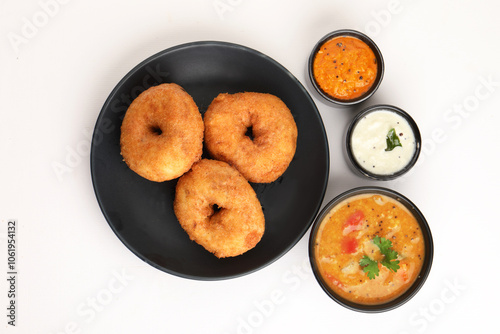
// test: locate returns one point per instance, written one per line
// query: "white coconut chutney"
(369, 144)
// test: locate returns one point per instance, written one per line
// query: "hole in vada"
(156, 130)
(249, 133)
(216, 208)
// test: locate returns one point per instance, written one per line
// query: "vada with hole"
(162, 133)
(253, 132)
(219, 209)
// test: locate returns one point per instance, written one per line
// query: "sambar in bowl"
(371, 249)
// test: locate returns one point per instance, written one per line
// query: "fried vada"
(219, 209)
(254, 132)
(162, 133)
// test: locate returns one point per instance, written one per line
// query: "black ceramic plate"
(140, 212)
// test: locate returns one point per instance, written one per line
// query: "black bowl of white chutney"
(383, 142)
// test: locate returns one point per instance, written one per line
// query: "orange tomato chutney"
(346, 235)
(345, 67)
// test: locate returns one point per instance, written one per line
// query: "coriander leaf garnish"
(389, 261)
(392, 140)
(391, 265)
(390, 255)
(382, 243)
(370, 267)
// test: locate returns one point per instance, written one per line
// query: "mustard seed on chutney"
(369, 249)
(345, 67)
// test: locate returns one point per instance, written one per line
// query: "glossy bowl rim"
(380, 66)
(411, 122)
(428, 257)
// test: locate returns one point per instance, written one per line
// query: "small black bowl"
(426, 266)
(382, 177)
(373, 47)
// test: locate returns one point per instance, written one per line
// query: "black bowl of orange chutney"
(371, 249)
(346, 67)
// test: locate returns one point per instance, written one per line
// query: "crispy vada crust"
(162, 133)
(219, 209)
(265, 157)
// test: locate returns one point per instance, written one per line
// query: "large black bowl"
(140, 212)
(428, 243)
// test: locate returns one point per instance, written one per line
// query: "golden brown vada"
(254, 132)
(162, 133)
(219, 209)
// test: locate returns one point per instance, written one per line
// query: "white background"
(59, 60)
